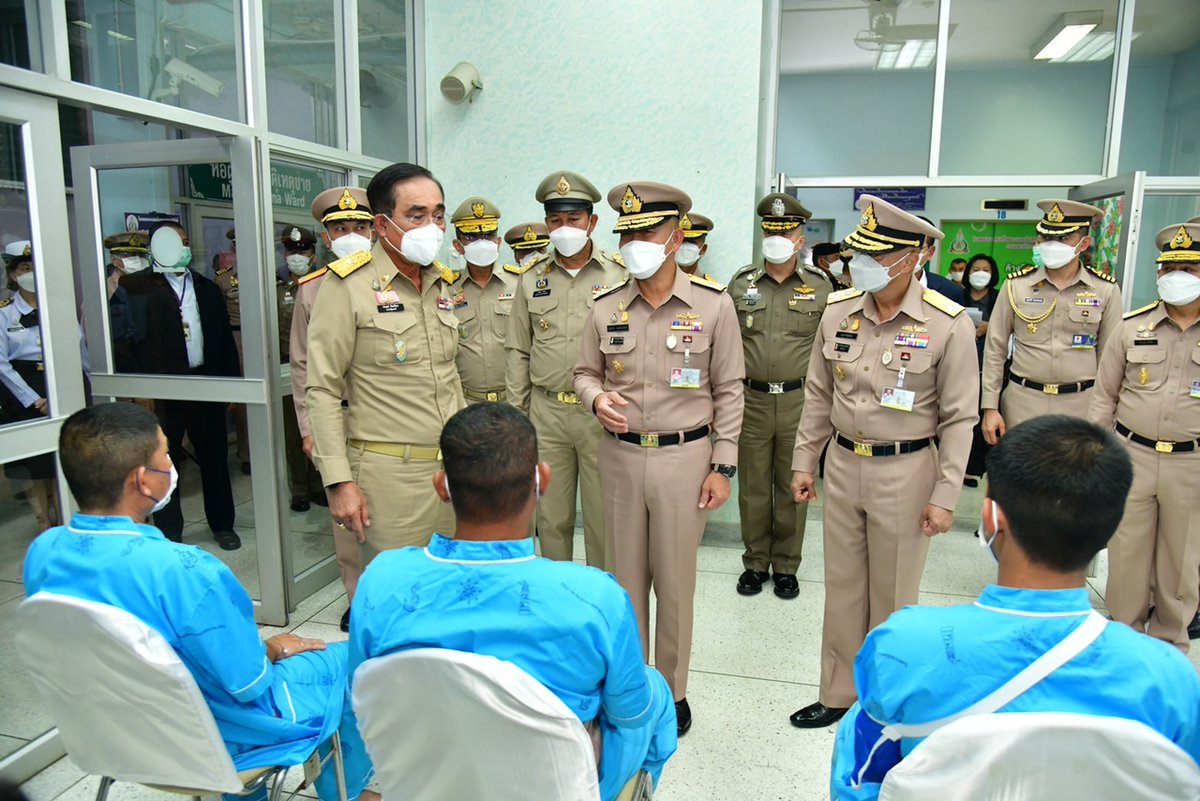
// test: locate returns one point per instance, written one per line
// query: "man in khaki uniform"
(696, 228)
(892, 382)
(483, 299)
(548, 316)
(383, 335)
(1060, 314)
(529, 242)
(779, 305)
(661, 367)
(225, 274)
(346, 220)
(1148, 390)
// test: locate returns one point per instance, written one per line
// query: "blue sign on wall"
(909, 198)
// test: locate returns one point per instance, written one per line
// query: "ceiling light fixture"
(1065, 34)
(913, 54)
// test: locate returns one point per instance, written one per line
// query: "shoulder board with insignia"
(749, 268)
(1026, 270)
(843, 294)
(1143, 310)
(536, 260)
(615, 256)
(942, 303)
(5, 302)
(314, 274)
(611, 289)
(348, 264)
(708, 277)
(703, 281)
(225, 269)
(515, 270)
(448, 275)
(1100, 274)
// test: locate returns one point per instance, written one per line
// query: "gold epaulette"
(608, 290)
(942, 303)
(314, 274)
(708, 277)
(843, 294)
(705, 282)
(7, 301)
(348, 264)
(516, 270)
(225, 269)
(1143, 310)
(615, 256)
(1026, 270)
(1101, 274)
(536, 260)
(448, 275)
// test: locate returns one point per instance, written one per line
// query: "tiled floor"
(755, 661)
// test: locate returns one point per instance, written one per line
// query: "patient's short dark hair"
(99, 445)
(489, 452)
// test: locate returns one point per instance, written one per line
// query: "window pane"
(1161, 134)
(1009, 112)
(183, 54)
(301, 65)
(19, 35)
(383, 79)
(849, 74)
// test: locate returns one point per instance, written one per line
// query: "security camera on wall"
(180, 70)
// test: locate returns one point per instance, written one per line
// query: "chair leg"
(105, 783)
(277, 784)
(339, 773)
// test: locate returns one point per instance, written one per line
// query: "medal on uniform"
(401, 349)
(839, 372)
(887, 357)
(618, 366)
(844, 324)
(749, 320)
(1143, 376)
(375, 284)
(672, 341)
(854, 325)
(462, 332)
(1031, 328)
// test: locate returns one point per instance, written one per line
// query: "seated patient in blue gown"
(569, 626)
(1056, 492)
(274, 701)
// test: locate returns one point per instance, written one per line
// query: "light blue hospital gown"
(267, 713)
(926, 663)
(570, 627)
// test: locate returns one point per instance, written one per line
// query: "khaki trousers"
(1019, 403)
(772, 524)
(1154, 557)
(404, 508)
(303, 478)
(568, 436)
(874, 552)
(651, 508)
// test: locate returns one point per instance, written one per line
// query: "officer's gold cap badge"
(1181, 239)
(868, 219)
(686, 223)
(1055, 215)
(295, 236)
(563, 186)
(347, 201)
(630, 202)
(529, 234)
(777, 207)
(477, 209)
(28, 250)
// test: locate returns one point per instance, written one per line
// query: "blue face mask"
(185, 258)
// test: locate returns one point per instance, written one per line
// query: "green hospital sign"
(292, 187)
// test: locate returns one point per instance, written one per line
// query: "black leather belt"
(1054, 389)
(773, 387)
(1160, 445)
(882, 448)
(659, 440)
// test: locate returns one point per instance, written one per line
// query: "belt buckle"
(1164, 447)
(568, 397)
(1050, 389)
(864, 449)
(774, 387)
(493, 396)
(649, 441)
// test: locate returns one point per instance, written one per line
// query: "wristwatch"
(727, 470)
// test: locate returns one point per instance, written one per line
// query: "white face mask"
(420, 245)
(688, 254)
(482, 252)
(980, 280)
(642, 259)
(984, 541)
(1178, 288)
(160, 503)
(349, 243)
(956, 276)
(134, 264)
(537, 483)
(297, 263)
(1056, 254)
(868, 274)
(568, 240)
(778, 249)
(27, 281)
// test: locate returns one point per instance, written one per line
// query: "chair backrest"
(444, 724)
(124, 703)
(1033, 756)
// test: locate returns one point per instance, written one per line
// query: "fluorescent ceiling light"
(82, 23)
(120, 37)
(913, 54)
(1097, 46)
(1065, 34)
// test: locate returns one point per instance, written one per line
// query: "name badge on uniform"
(619, 327)
(1035, 300)
(445, 304)
(616, 340)
(846, 335)
(898, 397)
(388, 301)
(1196, 388)
(841, 347)
(1083, 341)
(541, 293)
(685, 378)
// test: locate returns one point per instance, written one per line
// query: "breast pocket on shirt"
(748, 308)
(542, 316)
(392, 338)
(1146, 368)
(1085, 320)
(468, 321)
(919, 375)
(619, 352)
(1041, 330)
(501, 313)
(844, 357)
(803, 318)
(447, 334)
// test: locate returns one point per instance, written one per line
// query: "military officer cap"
(527, 236)
(17, 252)
(885, 228)
(135, 242)
(341, 203)
(1062, 217)
(695, 225)
(1193, 220)
(293, 237)
(1179, 243)
(781, 212)
(642, 205)
(567, 191)
(476, 215)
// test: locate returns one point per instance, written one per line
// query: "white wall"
(663, 91)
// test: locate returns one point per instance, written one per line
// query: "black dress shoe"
(300, 505)
(318, 498)
(1194, 628)
(786, 585)
(817, 716)
(228, 540)
(752, 581)
(683, 717)
(970, 482)
(345, 624)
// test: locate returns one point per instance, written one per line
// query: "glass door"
(1116, 235)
